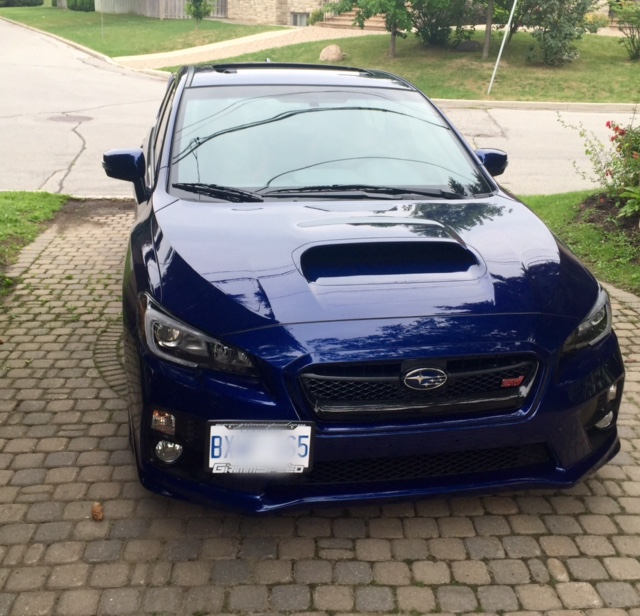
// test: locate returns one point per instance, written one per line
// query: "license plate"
(260, 448)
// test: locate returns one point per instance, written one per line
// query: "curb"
(87, 50)
(538, 105)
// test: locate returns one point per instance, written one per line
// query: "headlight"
(595, 327)
(175, 341)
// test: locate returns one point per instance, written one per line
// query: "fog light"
(612, 393)
(168, 452)
(163, 422)
(606, 421)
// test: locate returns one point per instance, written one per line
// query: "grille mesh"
(427, 466)
(361, 385)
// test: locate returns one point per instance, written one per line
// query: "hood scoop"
(389, 261)
(387, 249)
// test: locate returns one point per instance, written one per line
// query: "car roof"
(272, 73)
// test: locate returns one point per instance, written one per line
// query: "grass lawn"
(128, 35)
(602, 74)
(21, 218)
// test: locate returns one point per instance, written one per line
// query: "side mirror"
(494, 161)
(127, 165)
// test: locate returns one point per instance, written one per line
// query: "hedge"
(21, 3)
(81, 5)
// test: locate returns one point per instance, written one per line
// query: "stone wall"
(270, 11)
(304, 6)
(258, 11)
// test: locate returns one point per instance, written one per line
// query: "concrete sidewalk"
(241, 46)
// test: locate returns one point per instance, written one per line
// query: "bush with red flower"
(616, 165)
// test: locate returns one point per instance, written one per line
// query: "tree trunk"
(392, 45)
(487, 33)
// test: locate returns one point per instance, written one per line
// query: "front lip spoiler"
(240, 502)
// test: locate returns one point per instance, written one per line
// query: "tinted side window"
(160, 129)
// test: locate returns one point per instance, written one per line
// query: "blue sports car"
(329, 300)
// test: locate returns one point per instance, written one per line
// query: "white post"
(504, 40)
(99, 7)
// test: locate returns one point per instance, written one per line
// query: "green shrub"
(631, 195)
(595, 21)
(4, 3)
(628, 16)
(616, 166)
(557, 25)
(198, 9)
(81, 5)
(316, 16)
(625, 172)
(433, 20)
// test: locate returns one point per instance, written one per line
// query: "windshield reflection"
(296, 137)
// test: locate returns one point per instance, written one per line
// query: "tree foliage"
(628, 16)
(397, 15)
(434, 19)
(557, 25)
(198, 9)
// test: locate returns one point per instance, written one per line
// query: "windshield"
(264, 139)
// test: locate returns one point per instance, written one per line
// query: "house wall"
(258, 11)
(160, 9)
(269, 11)
(304, 6)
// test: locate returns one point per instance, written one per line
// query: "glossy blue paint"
(260, 283)
(308, 283)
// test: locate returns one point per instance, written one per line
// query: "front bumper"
(549, 443)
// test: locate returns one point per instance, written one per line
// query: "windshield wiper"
(366, 191)
(219, 192)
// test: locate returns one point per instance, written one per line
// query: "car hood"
(227, 268)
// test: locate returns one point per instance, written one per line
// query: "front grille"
(473, 384)
(411, 468)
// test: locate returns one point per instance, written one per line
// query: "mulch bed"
(603, 212)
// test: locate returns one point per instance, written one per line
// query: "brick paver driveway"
(63, 446)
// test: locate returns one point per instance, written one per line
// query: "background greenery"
(603, 74)
(128, 35)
